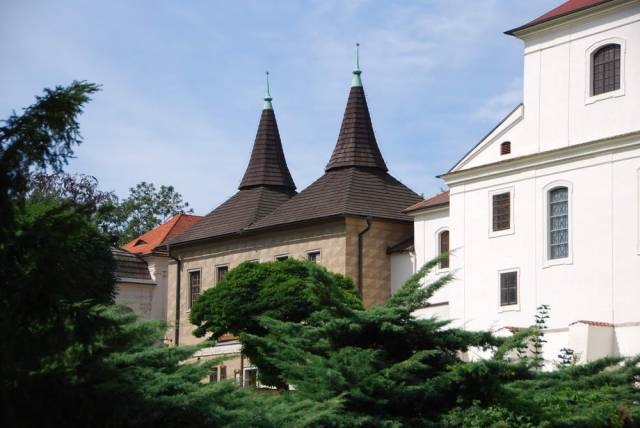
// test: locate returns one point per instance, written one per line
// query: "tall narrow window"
(508, 288)
(194, 287)
(606, 69)
(213, 377)
(501, 211)
(444, 248)
(559, 223)
(223, 372)
(221, 271)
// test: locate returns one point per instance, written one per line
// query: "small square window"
(313, 256)
(282, 258)
(221, 271)
(509, 288)
(505, 148)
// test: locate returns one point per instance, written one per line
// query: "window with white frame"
(501, 212)
(282, 257)
(314, 256)
(509, 288)
(194, 287)
(443, 247)
(606, 71)
(558, 236)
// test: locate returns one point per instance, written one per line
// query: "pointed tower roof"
(356, 181)
(267, 165)
(266, 185)
(357, 144)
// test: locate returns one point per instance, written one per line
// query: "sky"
(183, 82)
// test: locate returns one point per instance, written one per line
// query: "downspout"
(176, 339)
(360, 251)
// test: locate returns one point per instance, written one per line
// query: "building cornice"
(543, 159)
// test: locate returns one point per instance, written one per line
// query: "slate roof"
(266, 184)
(237, 213)
(131, 267)
(267, 166)
(346, 191)
(356, 181)
(439, 200)
(147, 243)
(357, 144)
(564, 9)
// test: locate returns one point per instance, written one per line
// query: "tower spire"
(267, 98)
(356, 81)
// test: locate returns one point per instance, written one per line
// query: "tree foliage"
(289, 290)
(142, 210)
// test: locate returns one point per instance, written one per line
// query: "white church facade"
(546, 208)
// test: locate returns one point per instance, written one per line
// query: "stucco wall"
(137, 297)
(559, 110)
(376, 279)
(158, 271)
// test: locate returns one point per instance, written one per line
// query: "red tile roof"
(439, 200)
(564, 9)
(178, 224)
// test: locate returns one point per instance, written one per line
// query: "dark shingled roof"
(356, 181)
(357, 144)
(267, 166)
(346, 191)
(237, 213)
(130, 267)
(439, 200)
(266, 185)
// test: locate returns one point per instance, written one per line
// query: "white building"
(546, 208)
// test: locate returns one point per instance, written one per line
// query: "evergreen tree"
(289, 290)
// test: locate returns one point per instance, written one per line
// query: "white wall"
(158, 271)
(559, 110)
(402, 265)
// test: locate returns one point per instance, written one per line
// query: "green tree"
(390, 369)
(145, 208)
(289, 290)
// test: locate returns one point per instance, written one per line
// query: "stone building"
(346, 220)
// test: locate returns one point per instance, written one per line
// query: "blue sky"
(183, 81)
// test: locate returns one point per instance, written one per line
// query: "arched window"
(443, 247)
(505, 148)
(558, 223)
(606, 69)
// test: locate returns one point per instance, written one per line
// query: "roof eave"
(519, 31)
(435, 207)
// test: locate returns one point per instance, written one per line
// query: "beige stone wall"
(328, 238)
(376, 282)
(137, 297)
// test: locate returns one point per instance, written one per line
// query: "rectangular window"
(444, 248)
(213, 377)
(313, 256)
(250, 377)
(508, 288)
(559, 223)
(501, 211)
(194, 287)
(221, 271)
(223, 373)
(282, 258)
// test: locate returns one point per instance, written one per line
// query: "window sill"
(557, 262)
(509, 308)
(500, 233)
(591, 99)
